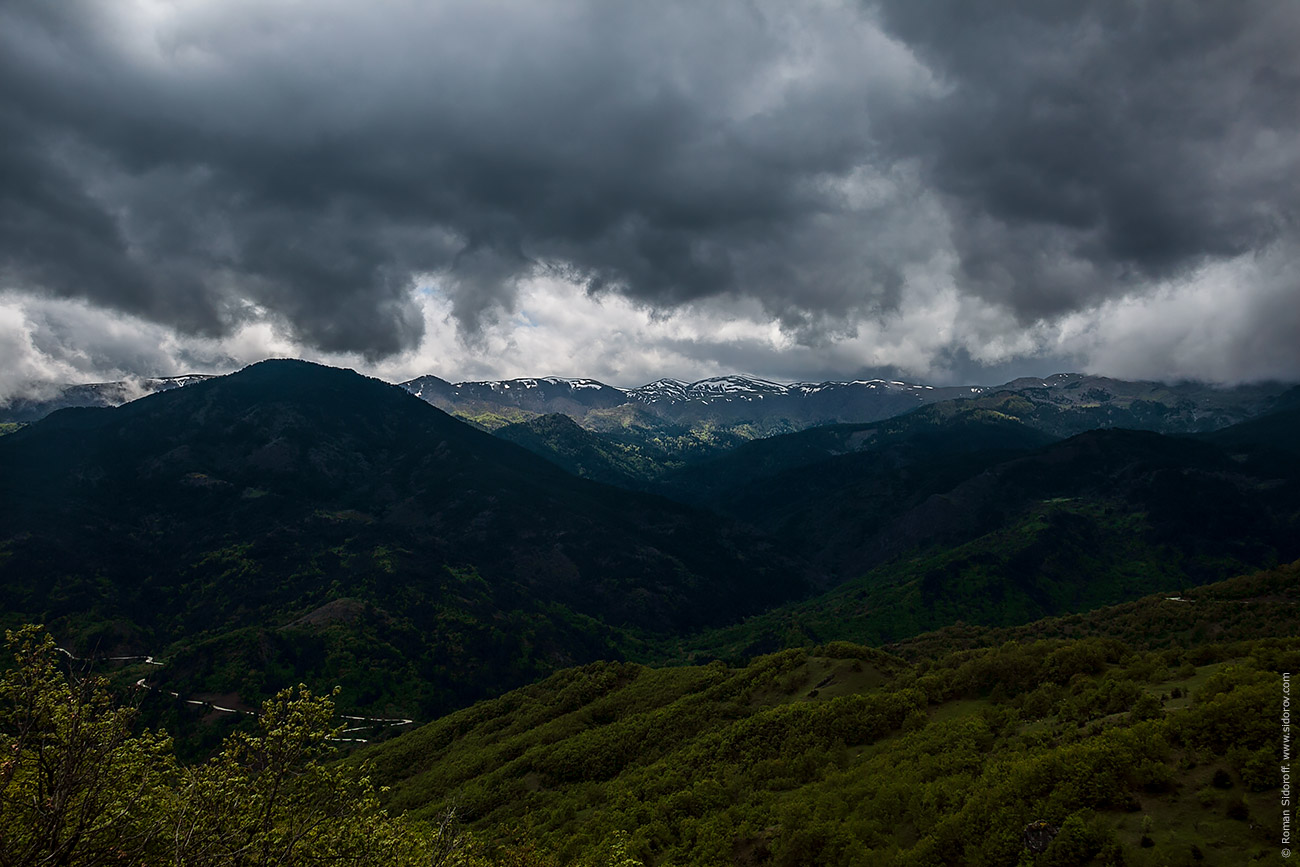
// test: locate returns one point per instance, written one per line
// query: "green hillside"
(589, 455)
(627, 446)
(844, 755)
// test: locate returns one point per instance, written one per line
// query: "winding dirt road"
(142, 683)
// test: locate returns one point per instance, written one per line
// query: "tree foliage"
(844, 756)
(78, 786)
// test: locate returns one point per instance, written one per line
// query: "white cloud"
(1230, 322)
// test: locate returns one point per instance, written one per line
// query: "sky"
(796, 189)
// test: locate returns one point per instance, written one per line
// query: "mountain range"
(1066, 402)
(296, 522)
(1082, 401)
(725, 399)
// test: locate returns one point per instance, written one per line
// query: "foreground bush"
(78, 786)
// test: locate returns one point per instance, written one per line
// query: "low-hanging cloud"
(215, 168)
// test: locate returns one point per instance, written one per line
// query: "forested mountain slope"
(1139, 735)
(979, 506)
(294, 521)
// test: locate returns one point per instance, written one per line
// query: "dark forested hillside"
(985, 539)
(848, 480)
(296, 521)
(1275, 431)
(985, 516)
(561, 440)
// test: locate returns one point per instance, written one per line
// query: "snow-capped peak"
(575, 383)
(659, 391)
(740, 387)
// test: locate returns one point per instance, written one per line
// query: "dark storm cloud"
(1085, 148)
(239, 158)
(203, 165)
